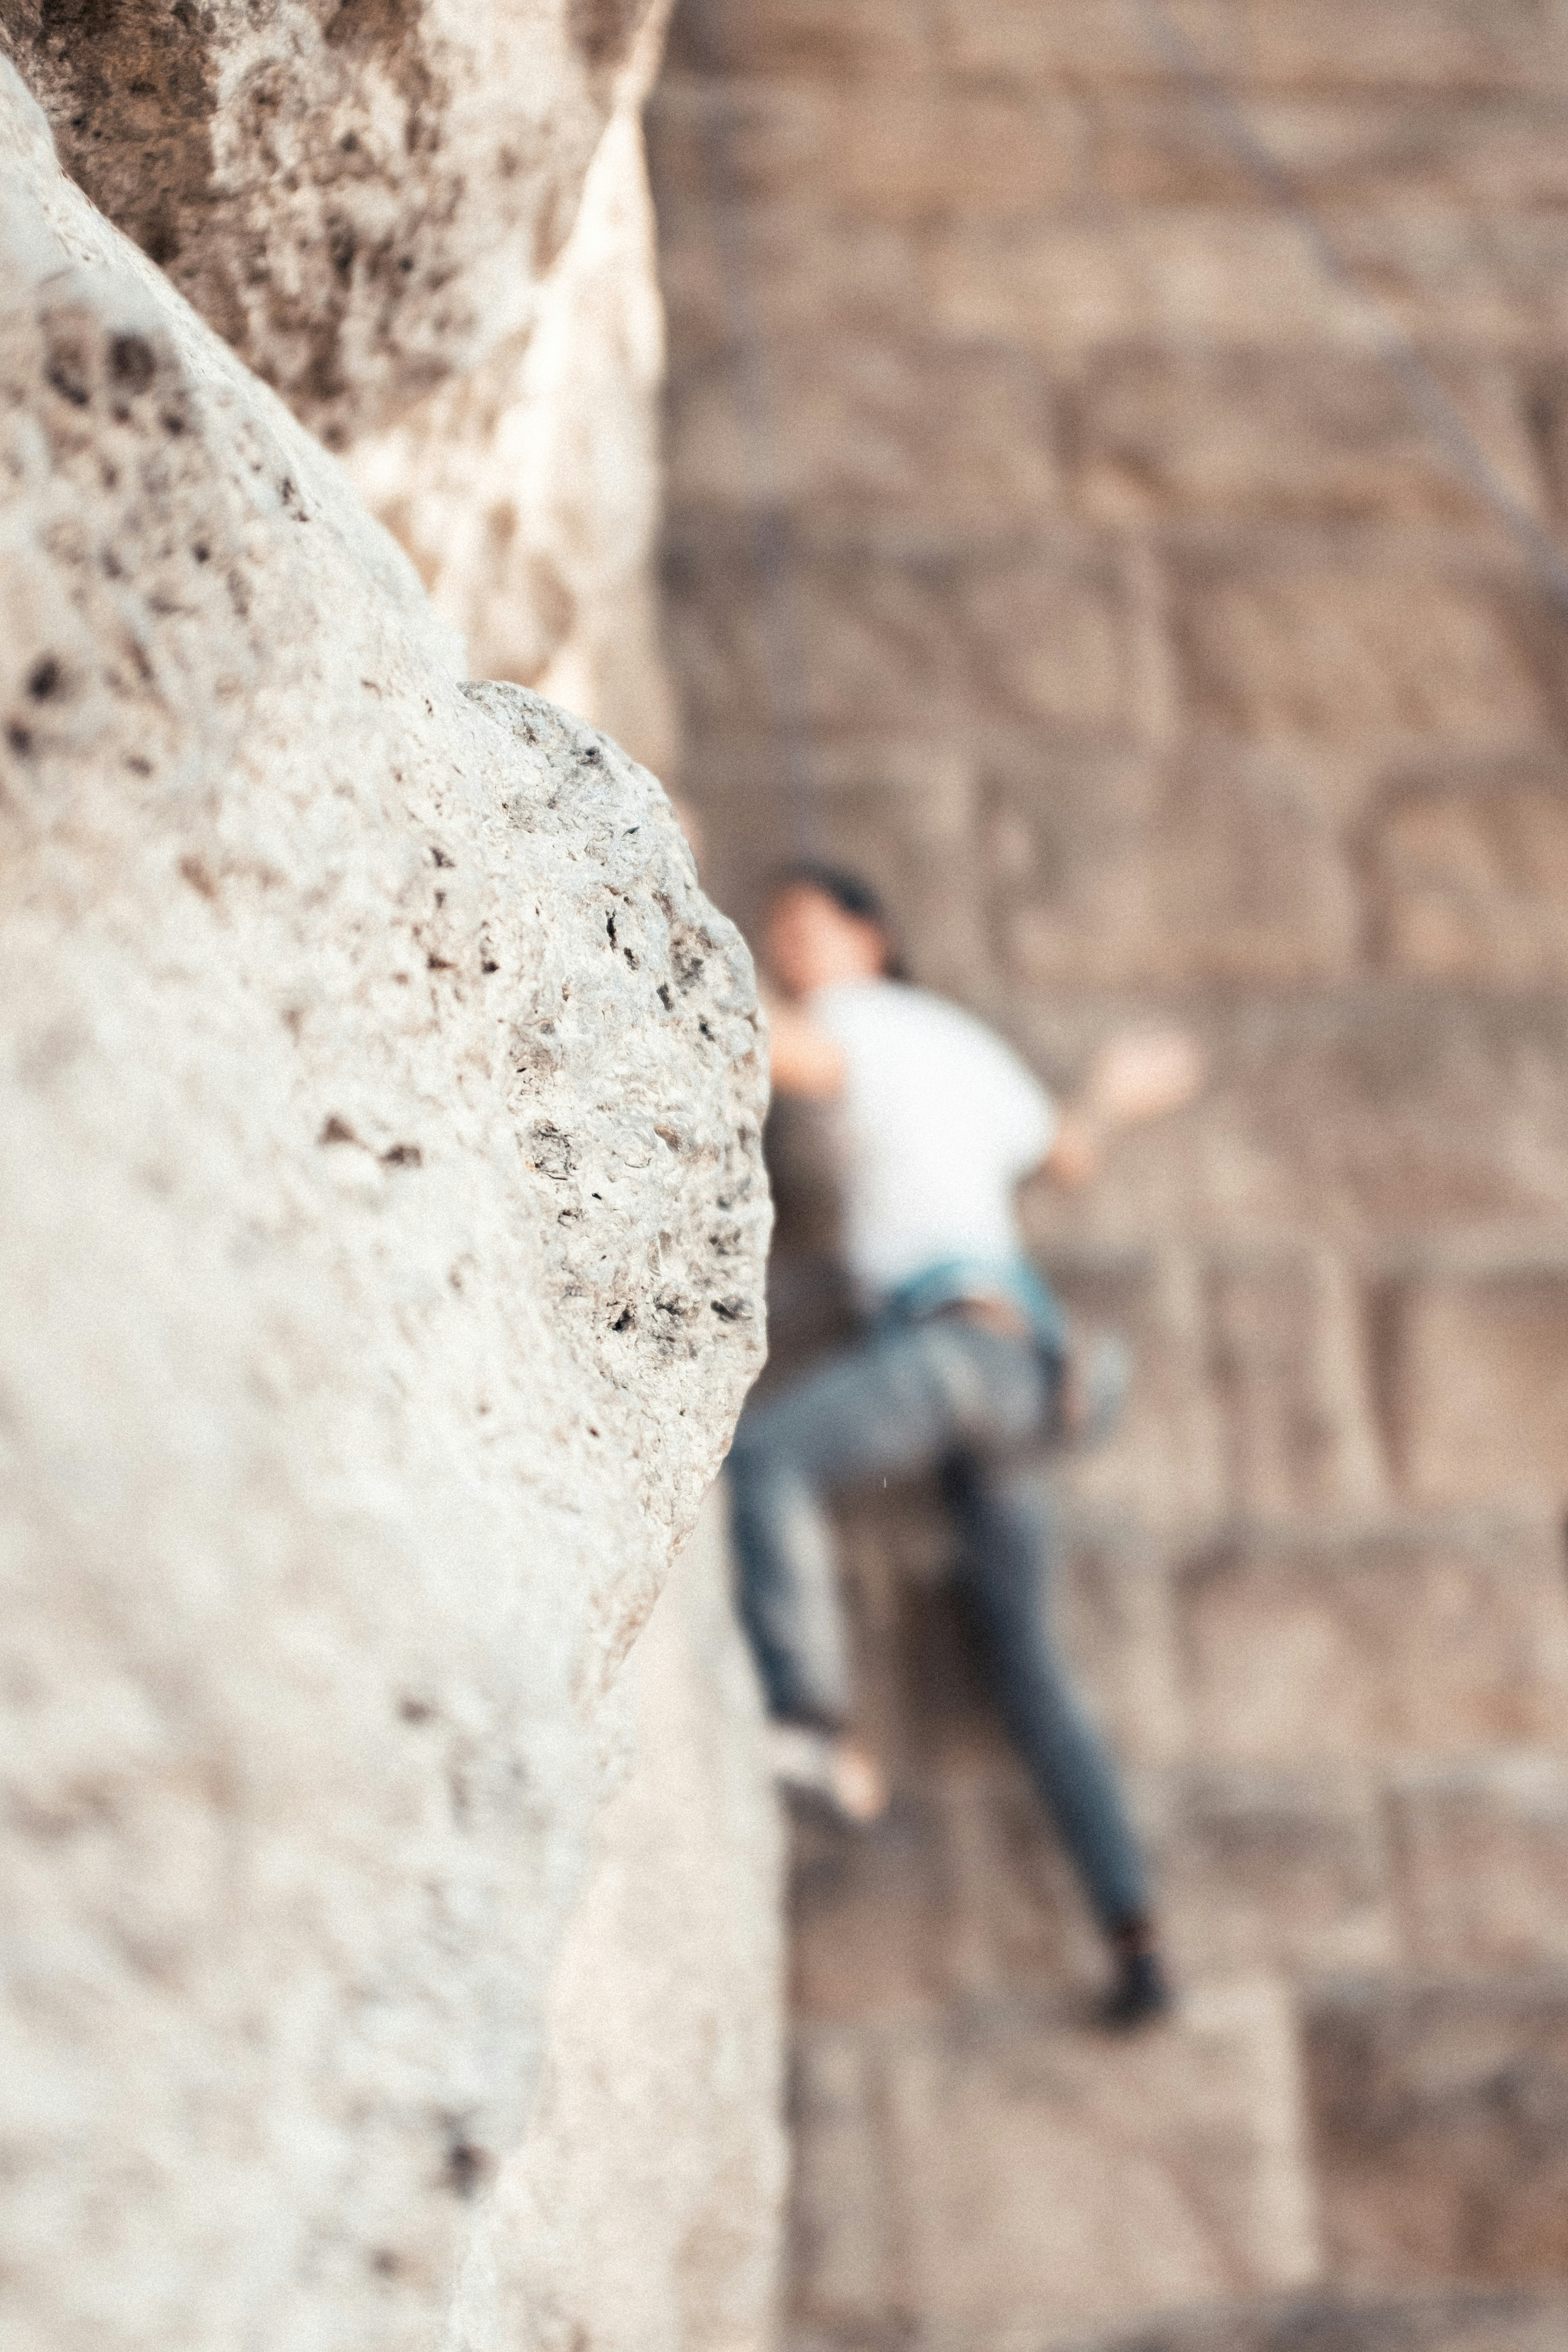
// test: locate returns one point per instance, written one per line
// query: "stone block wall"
(390, 1962)
(1050, 535)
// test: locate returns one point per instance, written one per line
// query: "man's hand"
(804, 1059)
(1139, 1075)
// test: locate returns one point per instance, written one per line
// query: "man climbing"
(967, 1360)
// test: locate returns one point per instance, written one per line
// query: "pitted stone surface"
(527, 490)
(428, 226)
(383, 1232)
(360, 195)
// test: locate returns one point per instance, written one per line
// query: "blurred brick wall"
(1024, 463)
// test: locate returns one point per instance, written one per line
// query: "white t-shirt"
(941, 1119)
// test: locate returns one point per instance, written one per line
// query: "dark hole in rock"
(466, 2166)
(67, 374)
(45, 679)
(553, 1156)
(132, 361)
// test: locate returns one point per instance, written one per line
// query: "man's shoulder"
(894, 1014)
(941, 1016)
(887, 1006)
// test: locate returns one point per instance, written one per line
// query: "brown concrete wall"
(1037, 493)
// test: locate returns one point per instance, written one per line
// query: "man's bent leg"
(900, 1402)
(789, 1596)
(1006, 1546)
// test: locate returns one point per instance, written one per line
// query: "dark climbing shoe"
(1141, 1994)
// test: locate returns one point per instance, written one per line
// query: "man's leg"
(1007, 1545)
(901, 1401)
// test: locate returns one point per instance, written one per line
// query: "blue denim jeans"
(949, 1395)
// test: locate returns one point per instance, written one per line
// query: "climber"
(968, 1359)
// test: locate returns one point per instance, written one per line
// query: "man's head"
(825, 925)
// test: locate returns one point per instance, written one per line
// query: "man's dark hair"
(853, 895)
(850, 892)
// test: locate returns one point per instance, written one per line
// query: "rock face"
(643, 2211)
(526, 491)
(382, 1228)
(363, 197)
(426, 223)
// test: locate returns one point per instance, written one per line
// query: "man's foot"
(831, 1766)
(1141, 1994)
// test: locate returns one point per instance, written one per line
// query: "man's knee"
(768, 1447)
(751, 1457)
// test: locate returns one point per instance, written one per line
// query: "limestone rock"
(670, 2068)
(527, 490)
(360, 197)
(429, 226)
(381, 1222)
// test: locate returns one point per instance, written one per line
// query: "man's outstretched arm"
(1138, 1076)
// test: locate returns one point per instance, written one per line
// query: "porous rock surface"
(426, 223)
(527, 490)
(360, 195)
(382, 1229)
(643, 2210)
